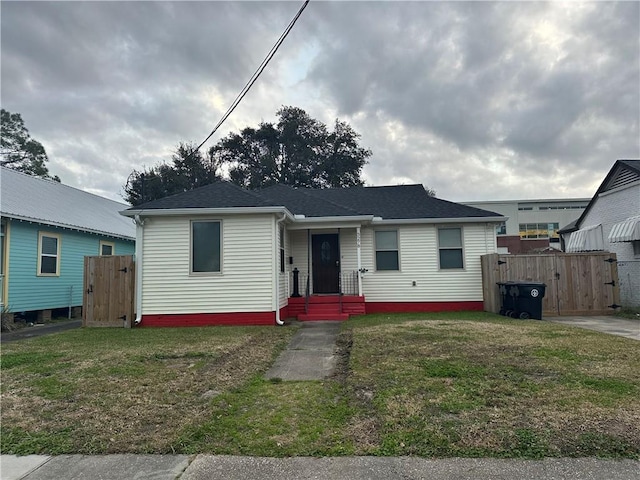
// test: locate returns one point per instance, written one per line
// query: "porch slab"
(310, 354)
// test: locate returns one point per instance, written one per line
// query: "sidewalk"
(207, 467)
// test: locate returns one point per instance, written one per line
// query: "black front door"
(325, 258)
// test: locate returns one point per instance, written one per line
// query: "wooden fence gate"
(577, 283)
(109, 291)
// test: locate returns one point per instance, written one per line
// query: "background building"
(533, 224)
(611, 223)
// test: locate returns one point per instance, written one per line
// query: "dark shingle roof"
(400, 201)
(301, 201)
(391, 202)
(216, 195)
(632, 164)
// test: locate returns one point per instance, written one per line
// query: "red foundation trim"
(205, 319)
(399, 307)
(284, 313)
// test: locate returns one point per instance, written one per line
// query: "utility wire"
(255, 76)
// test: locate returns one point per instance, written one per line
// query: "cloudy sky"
(479, 100)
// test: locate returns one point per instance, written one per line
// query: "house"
(533, 224)
(47, 229)
(611, 222)
(220, 254)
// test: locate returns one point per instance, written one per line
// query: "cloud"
(470, 98)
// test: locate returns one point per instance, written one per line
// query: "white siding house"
(224, 255)
(611, 222)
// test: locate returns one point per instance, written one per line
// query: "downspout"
(358, 250)
(277, 269)
(139, 237)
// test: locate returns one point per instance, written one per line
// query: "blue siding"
(27, 291)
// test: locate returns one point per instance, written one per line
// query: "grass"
(436, 385)
(114, 390)
(629, 313)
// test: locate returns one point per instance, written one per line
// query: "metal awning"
(626, 231)
(587, 239)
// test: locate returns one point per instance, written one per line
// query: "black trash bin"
(508, 305)
(528, 299)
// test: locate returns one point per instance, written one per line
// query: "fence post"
(490, 276)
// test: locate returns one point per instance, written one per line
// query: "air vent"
(621, 178)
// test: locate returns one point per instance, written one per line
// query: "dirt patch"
(342, 352)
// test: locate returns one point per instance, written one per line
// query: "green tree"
(187, 171)
(297, 150)
(18, 150)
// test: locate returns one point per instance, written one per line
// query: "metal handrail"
(340, 293)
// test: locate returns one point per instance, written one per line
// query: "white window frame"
(107, 244)
(376, 250)
(461, 247)
(281, 241)
(57, 256)
(204, 220)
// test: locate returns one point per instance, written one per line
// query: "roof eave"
(77, 228)
(401, 221)
(335, 218)
(158, 212)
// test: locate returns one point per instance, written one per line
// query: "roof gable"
(624, 172)
(30, 198)
(621, 174)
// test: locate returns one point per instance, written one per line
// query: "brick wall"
(517, 245)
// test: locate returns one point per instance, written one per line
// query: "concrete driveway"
(605, 324)
(39, 330)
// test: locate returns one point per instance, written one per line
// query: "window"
(636, 248)
(281, 248)
(501, 229)
(106, 248)
(450, 248)
(48, 254)
(387, 250)
(539, 230)
(206, 246)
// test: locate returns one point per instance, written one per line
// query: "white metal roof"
(626, 231)
(29, 198)
(587, 239)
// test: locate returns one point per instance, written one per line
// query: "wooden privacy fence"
(109, 291)
(576, 283)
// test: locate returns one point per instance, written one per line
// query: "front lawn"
(115, 390)
(461, 384)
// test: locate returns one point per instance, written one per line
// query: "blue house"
(47, 229)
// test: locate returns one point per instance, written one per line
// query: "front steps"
(326, 307)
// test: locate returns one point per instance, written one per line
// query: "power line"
(255, 76)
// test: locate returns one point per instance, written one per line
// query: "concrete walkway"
(310, 355)
(606, 324)
(206, 467)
